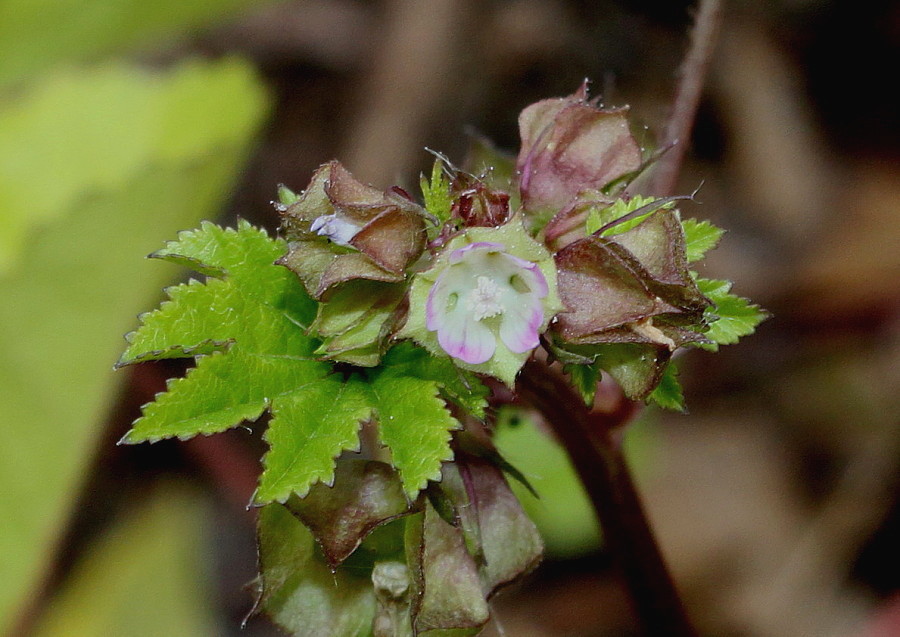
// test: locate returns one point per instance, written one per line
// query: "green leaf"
(311, 426)
(155, 551)
(730, 316)
(223, 390)
(668, 393)
(256, 311)
(700, 237)
(599, 217)
(415, 425)
(564, 513)
(297, 589)
(437, 192)
(459, 386)
(86, 184)
(34, 36)
(584, 379)
(257, 306)
(131, 121)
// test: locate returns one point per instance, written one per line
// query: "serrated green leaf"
(668, 393)
(255, 308)
(458, 385)
(259, 305)
(299, 592)
(730, 317)
(584, 379)
(700, 237)
(415, 425)
(599, 217)
(737, 317)
(217, 251)
(310, 427)
(223, 390)
(437, 192)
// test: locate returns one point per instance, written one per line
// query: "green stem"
(589, 438)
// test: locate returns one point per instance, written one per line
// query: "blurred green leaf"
(35, 34)
(155, 556)
(87, 134)
(563, 513)
(78, 280)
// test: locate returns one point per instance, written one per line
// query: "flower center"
(484, 300)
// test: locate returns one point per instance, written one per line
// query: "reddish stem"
(590, 439)
(687, 97)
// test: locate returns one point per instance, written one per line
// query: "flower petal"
(531, 274)
(457, 255)
(521, 322)
(437, 306)
(466, 339)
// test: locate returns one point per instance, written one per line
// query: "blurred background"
(124, 121)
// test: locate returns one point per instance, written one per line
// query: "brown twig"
(590, 439)
(687, 97)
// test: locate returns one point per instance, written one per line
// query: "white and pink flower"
(486, 299)
(483, 294)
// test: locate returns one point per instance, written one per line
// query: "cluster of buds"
(487, 271)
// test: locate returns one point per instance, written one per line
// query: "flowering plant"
(371, 333)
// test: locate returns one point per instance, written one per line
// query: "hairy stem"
(589, 438)
(687, 97)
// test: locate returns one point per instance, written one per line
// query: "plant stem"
(588, 437)
(687, 97)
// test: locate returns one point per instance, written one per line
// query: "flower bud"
(340, 229)
(569, 145)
